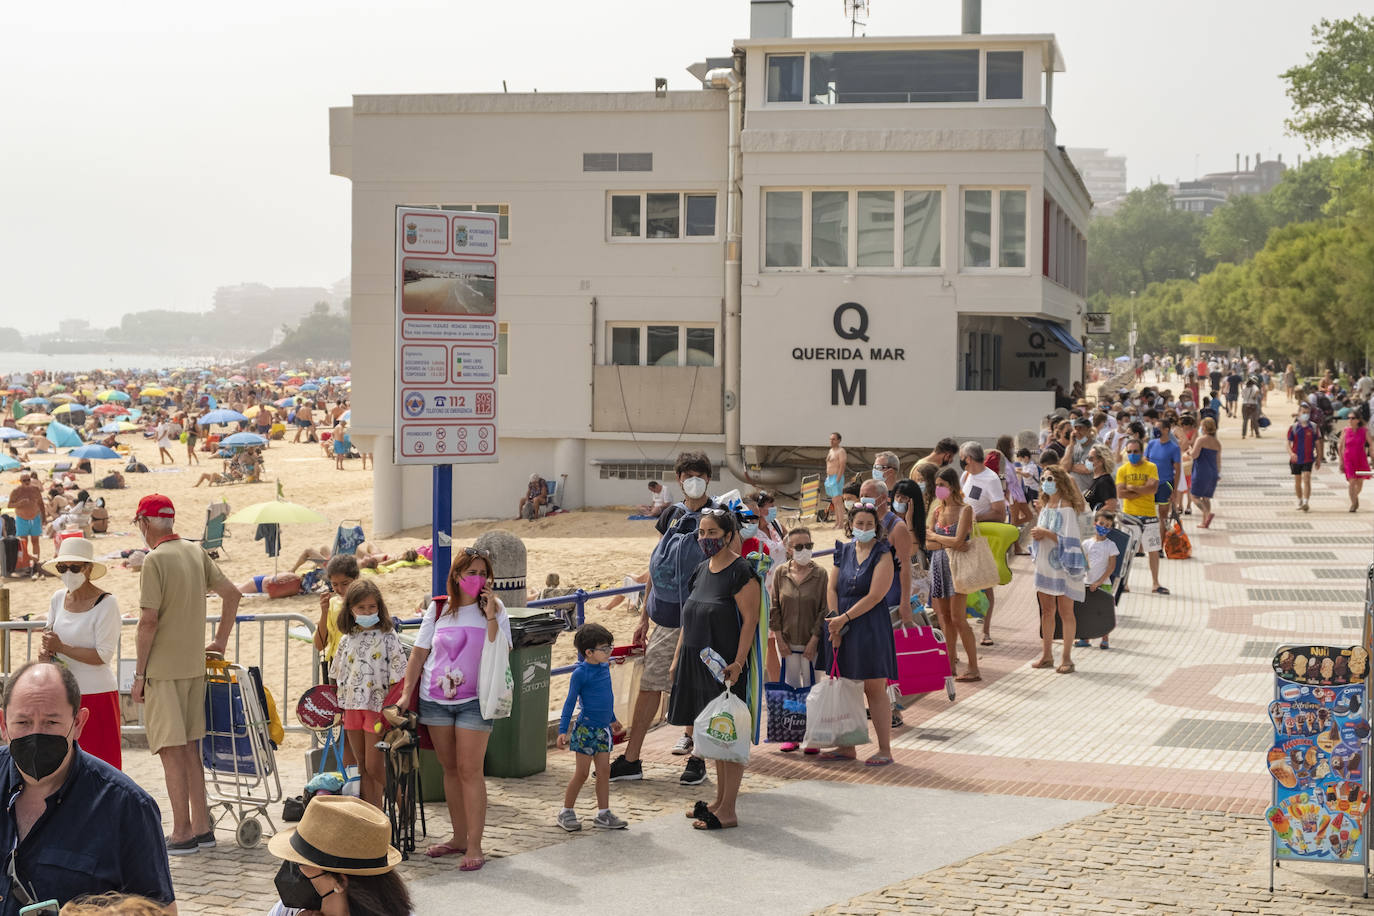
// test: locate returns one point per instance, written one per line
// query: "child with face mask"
(368, 661)
(1101, 553)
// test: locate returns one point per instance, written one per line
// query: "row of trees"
(1288, 274)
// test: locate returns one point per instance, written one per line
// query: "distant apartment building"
(1104, 175)
(1205, 194)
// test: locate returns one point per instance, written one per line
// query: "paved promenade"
(1135, 784)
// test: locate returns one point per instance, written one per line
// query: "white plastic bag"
(722, 730)
(495, 686)
(835, 713)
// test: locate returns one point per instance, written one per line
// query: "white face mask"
(73, 580)
(802, 557)
(694, 487)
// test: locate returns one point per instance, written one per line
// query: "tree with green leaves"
(1333, 93)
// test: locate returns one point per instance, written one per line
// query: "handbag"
(786, 711)
(922, 661)
(1176, 543)
(974, 569)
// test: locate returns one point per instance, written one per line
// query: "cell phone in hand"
(46, 908)
(844, 629)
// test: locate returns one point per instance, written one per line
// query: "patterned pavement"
(1168, 728)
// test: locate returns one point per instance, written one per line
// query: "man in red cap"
(170, 672)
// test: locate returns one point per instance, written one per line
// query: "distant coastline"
(12, 361)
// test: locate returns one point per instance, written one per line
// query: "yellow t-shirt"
(332, 644)
(1135, 475)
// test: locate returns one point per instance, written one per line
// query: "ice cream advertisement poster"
(1321, 729)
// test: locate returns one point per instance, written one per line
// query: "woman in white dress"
(1059, 563)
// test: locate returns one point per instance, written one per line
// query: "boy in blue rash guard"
(592, 730)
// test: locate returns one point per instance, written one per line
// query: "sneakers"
(1303, 505)
(694, 774)
(186, 847)
(206, 840)
(607, 820)
(626, 769)
(567, 819)
(683, 746)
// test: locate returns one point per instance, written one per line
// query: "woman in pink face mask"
(443, 666)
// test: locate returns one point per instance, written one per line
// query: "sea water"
(12, 361)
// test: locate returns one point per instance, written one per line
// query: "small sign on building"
(1097, 323)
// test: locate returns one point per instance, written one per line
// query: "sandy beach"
(588, 549)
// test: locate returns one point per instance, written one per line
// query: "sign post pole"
(442, 528)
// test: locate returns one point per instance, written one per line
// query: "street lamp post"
(1131, 337)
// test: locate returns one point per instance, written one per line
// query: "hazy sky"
(156, 150)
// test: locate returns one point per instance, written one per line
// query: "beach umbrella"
(9, 464)
(243, 440)
(110, 409)
(63, 436)
(310, 386)
(347, 415)
(118, 383)
(221, 416)
(276, 512)
(94, 450)
(35, 402)
(9, 432)
(64, 397)
(69, 408)
(112, 395)
(34, 419)
(237, 378)
(286, 402)
(153, 392)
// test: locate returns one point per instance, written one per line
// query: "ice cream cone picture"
(1280, 770)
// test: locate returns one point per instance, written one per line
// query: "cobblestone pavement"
(1168, 727)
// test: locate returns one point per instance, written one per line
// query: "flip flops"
(878, 760)
(831, 755)
(473, 864)
(711, 822)
(789, 746)
(1043, 663)
(439, 850)
(969, 678)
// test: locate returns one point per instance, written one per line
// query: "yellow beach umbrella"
(34, 419)
(153, 392)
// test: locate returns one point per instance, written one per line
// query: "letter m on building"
(1035, 369)
(857, 388)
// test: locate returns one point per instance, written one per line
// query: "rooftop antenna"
(856, 11)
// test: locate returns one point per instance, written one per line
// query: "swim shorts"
(834, 485)
(28, 527)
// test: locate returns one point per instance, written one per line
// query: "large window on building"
(1003, 75)
(667, 344)
(894, 77)
(859, 228)
(655, 215)
(785, 77)
(994, 227)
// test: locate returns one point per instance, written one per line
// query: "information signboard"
(445, 385)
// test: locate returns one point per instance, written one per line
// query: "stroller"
(240, 764)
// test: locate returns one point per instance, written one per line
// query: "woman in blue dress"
(1206, 455)
(858, 633)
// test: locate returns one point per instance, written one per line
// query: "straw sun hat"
(76, 550)
(341, 834)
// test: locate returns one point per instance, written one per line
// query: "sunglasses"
(807, 546)
(477, 552)
(719, 513)
(70, 567)
(23, 894)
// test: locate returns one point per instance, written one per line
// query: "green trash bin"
(519, 743)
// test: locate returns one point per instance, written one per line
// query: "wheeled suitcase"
(9, 556)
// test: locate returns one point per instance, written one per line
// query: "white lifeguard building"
(878, 236)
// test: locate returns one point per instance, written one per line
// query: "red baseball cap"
(155, 505)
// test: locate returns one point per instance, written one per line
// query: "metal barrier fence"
(281, 690)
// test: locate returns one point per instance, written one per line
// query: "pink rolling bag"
(922, 661)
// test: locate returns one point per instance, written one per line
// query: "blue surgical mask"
(748, 530)
(367, 621)
(1134, 457)
(922, 485)
(1048, 487)
(863, 537)
(877, 473)
(772, 513)
(1101, 530)
(899, 506)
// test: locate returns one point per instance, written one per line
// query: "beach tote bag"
(495, 686)
(974, 569)
(835, 712)
(922, 660)
(723, 729)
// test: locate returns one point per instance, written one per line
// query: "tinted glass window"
(1004, 75)
(977, 228)
(624, 346)
(701, 214)
(894, 77)
(1012, 250)
(625, 215)
(661, 222)
(663, 345)
(782, 229)
(921, 229)
(829, 228)
(876, 228)
(785, 77)
(701, 346)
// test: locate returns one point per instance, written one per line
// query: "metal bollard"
(507, 566)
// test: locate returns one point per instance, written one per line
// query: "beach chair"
(554, 489)
(347, 537)
(212, 541)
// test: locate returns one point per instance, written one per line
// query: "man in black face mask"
(53, 792)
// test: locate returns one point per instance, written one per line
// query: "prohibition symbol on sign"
(462, 432)
(462, 446)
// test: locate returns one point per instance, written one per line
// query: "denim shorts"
(456, 715)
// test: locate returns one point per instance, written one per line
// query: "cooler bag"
(922, 660)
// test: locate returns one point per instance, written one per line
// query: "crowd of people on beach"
(1136, 458)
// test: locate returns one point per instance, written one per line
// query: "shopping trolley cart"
(240, 765)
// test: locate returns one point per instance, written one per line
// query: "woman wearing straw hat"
(83, 632)
(339, 862)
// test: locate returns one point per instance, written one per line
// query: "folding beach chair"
(347, 538)
(554, 502)
(215, 532)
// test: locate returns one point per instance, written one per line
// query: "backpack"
(676, 555)
(1324, 403)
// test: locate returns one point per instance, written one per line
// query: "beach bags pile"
(723, 729)
(835, 712)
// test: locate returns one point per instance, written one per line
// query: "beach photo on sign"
(433, 287)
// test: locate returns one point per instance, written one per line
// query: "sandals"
(1043, 663)
(878, 760)
(969, 678)
(698, 812)
(832, 755)
(473, 864)
(438, 851)
(1159, 590)
(711, 822)
(789, 746)
(1064, 669)
(986, 641)
(811, 751)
